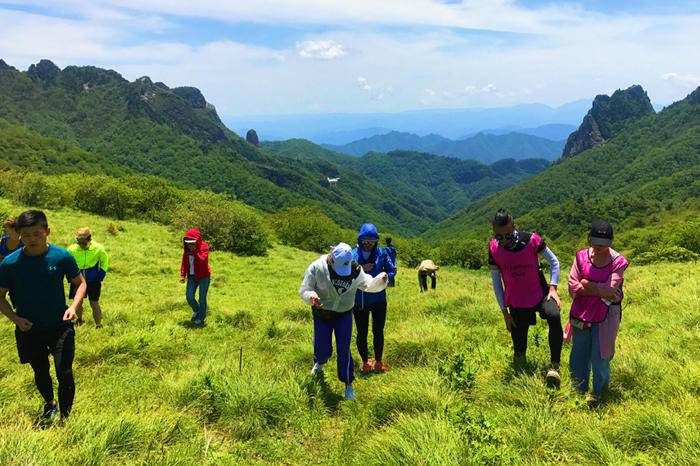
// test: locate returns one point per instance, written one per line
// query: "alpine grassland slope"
(152, 390)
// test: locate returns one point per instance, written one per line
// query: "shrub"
(412, 251)
(155, 198)
(306, 228)
(36, 190)
(107, 196)
(688, 237)
(227, 225)
(464, 253)
(666, 253)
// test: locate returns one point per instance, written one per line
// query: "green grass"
(152, 390)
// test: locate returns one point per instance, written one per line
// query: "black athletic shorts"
(528, 316)
(38, 345)
(93, 292)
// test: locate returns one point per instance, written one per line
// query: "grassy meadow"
(152, 390)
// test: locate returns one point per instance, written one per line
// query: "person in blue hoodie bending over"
(373, 260)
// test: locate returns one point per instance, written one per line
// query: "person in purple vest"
(329, 286)
(521, 290)
(595, 285)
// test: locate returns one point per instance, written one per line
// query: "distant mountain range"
(343, 128)
(553, 131)
(486, 148)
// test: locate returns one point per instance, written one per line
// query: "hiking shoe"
(367, 367)
(349, 393)
(50, 411)
(593, 401)
(553, 378)
(198, 322)
(79, 322)
(381, 367)
(519, 362)
(317, 369)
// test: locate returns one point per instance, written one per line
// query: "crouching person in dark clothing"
(35, 275)
(427, 269)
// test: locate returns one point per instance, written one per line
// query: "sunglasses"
(83, 240)
(509, 236)
(368, 241)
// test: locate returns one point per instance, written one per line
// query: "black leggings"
(522, 319)
(378, 312)
(63, 354)
(423, 280)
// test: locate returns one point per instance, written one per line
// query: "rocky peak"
(87, 77)
(604, 117)
(192, 95)
(5, 67)
(252, 137)
(45, 71)
(693, 97)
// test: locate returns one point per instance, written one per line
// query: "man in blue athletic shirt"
(35, 274)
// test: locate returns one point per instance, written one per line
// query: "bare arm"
(81, 290)
(23, 324)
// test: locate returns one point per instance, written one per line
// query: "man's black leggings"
(63, 350)
(522, 318)
(361, 314)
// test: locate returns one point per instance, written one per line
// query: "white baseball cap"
(342, 259)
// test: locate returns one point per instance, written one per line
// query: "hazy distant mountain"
(553, 131)
(342, 128)
(486, 148)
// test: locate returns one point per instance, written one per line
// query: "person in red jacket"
(195, 269)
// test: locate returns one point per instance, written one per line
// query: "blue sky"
(312, 56)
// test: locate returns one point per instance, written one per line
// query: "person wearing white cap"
(329, 286)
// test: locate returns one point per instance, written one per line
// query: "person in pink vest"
(522, 291)
(595, 285)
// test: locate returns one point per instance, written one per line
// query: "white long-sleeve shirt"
(334, 296)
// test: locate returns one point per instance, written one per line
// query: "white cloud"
(554, 62)
(363, 84)
(474, 90)
(320, 49)
(685, 80)
(502, 15)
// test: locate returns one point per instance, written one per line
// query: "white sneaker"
(349, 392)
(317, 369)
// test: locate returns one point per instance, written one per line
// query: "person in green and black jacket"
(93, 263)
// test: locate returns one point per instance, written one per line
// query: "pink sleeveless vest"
(593, 309)
(520, 272)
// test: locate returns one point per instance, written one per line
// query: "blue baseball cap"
(342, 259)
